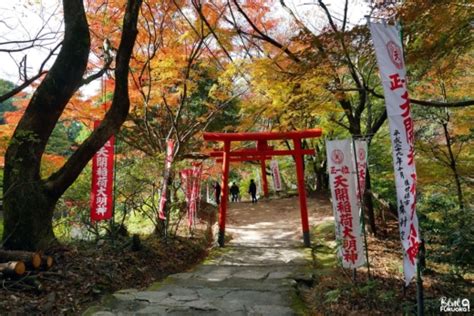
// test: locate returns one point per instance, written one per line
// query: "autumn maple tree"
(29, 200)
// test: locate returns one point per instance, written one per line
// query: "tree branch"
(264, 36)
(436, 104)
(64, 177)
(29, 81)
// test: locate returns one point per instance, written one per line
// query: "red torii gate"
(262, 152)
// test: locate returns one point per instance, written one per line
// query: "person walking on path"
(217, 189)
(253, 191)
(234, 191)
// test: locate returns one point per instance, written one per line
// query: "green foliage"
(72, 210)
(1, 227)
(448, 231)
(1, 183)
(381, 166)
(373, 293)
(62, 138)
(6, 105)
(332, 296)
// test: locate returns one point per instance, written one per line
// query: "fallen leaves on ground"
(334, 291)
(85, 272)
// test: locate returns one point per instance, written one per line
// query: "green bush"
(448, 231)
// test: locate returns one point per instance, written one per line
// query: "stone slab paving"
(250, 276)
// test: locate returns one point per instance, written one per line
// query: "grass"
(1, 228)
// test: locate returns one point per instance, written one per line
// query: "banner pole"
(419, 288)
(114, 192)
(362, 213)
(166, 209)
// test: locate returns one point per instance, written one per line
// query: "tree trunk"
(453, 166)
(28, 218)
(320, 172)
(29, 200)
(29, 205)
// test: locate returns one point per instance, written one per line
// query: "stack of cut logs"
(15, 263)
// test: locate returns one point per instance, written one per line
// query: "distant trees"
(7, 105)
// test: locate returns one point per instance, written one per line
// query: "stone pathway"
(255, 274)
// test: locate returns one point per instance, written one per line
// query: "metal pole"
(114, 190)
(165, 209)
(419, 289)
(362, 213)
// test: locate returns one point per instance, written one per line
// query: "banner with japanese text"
(166, 175)
(389, 52)
(191, 185)
(276, 175)
(195, 194)
(342, 180)
(361, 148)
(102, 181)
(187, 184)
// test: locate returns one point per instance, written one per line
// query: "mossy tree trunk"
(29, 200)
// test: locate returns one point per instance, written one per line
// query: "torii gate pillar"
(264, 177)
(262, 145)
(302, 192)
(225, 189)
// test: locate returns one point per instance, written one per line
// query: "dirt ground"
(334, 291)
(272, 219)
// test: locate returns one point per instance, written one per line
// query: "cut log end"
(47, 262)
(20, 268)
(36, 261)
(13, 268)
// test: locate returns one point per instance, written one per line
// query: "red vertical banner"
(195, 193)
(102, 181)
(186, 184)
(191, 185)
(168, 161)
(276, 175)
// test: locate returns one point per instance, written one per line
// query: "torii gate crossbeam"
(261, 153)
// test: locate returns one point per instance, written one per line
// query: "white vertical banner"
(388, 49)
(360, 154)
(275, 175)
(341, 171)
